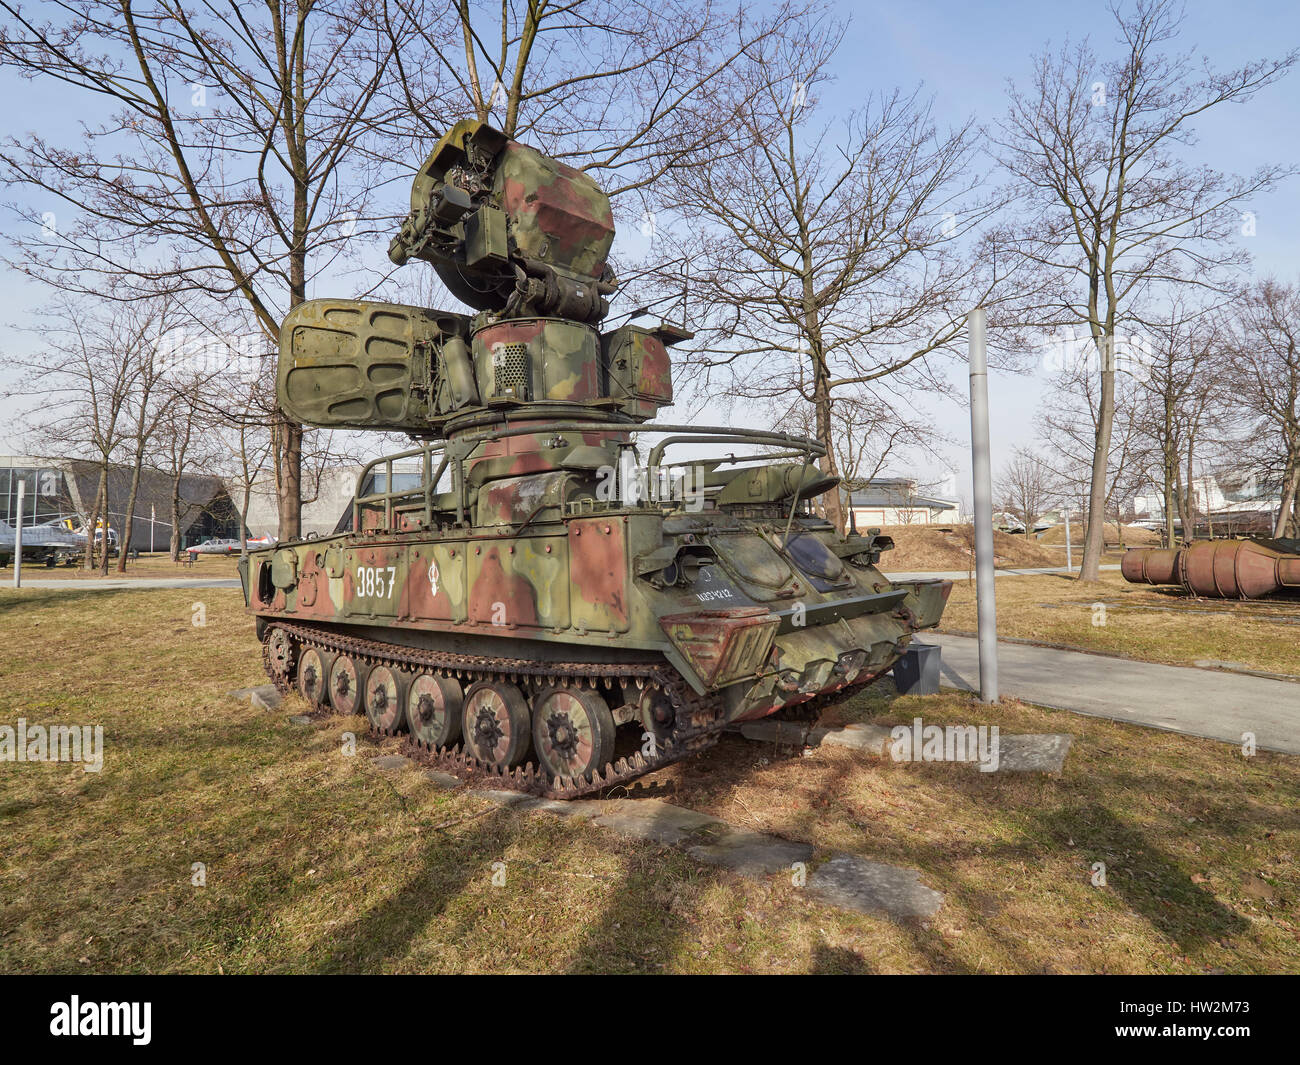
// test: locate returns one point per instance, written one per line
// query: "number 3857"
(376, 580)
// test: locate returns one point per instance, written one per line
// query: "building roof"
(886, 498)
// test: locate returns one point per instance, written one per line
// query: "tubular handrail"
(428, 481)
(459, 449)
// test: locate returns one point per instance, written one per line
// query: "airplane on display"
(227, 547)
(47, 543)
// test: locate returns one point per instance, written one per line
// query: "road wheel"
(347, 680)
(573, 732)
(657, 718)
(313, 673)
(279, 657)
(433, 710)
(383, 700)
(496, 725)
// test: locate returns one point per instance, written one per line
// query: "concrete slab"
(1195, 702)
(751, 854)
(503, 797)
(299, 719)
(265, 700)
(860, 737)
(443, 780)
(1017, 754)
(653, 819)
(853, 883)
(390, 761)
(848, 882)
(263, 697)
(1033, 754)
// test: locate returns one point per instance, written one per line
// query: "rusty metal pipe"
(1217, 569)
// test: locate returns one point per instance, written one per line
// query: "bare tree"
(626, 88)
(148, 400)
(869, 431)
(1070, 418)
(227, 158)
(249, 446)
(1112, 210)
(1263, 350)
(1026, 487)
(1179, 402)
(825, 256)
(81, 383)
(186, 440)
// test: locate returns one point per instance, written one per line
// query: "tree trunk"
(103, 554)
(243, 523)
(825, 437)
(290, 479)
(92, 519)
(1171, 486)
(1169, 467)
(1289, 500)
(128, 524)
(1095, 532)
(175, 545)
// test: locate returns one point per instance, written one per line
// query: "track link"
(697, 722)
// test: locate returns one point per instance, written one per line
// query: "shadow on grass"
(15, 601)
(837, 961)
(1144, 877)
(385, 932)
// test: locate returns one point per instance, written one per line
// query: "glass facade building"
(55, 489)
(45, 498)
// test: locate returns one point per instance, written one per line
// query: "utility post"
(982, 471)
(18, 536)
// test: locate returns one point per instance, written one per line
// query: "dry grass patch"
(1131, 535)
(317, 862)
(155, 565)
(1140, 621)
(1199, 843)
(927, 547)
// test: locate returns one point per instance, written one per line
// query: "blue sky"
(962, 54)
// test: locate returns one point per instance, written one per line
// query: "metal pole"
(981, 469)
(1069, 550)
(153, 513)
(18, 537)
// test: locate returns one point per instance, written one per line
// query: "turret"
(522, 239)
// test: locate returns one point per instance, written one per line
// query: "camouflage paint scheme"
(524, 540)
(582, 581)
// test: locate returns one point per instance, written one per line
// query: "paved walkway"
(962, 574)
(1196, 702)
(109, 584)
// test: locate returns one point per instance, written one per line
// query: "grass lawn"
(320, 862)
(1140, 621)
(156, 565)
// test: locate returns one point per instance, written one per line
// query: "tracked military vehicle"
(555, 600)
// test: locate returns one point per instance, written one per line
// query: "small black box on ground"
(917, 672)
